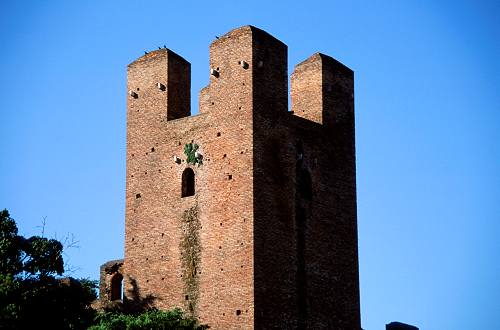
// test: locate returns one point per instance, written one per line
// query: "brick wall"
(269, 238)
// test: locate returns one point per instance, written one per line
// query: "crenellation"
(322, 90)
(270, 74)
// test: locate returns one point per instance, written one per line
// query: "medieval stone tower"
(245, 214)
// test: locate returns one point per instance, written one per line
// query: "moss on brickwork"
(190, 248)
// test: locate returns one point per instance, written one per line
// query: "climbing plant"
(190, 152)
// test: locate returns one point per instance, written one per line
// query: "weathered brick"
(269, 238)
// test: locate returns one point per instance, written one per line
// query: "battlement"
(152, 55)
(322, 90)
(159, 84)
(245, 30)
(245, 63)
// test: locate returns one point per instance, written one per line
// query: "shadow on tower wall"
(134, 302)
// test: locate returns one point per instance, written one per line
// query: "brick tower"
(245, 214)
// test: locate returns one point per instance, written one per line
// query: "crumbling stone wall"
(110, 284)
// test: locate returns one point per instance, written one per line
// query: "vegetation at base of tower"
(33, 295)
(190, 152)
(151, 320)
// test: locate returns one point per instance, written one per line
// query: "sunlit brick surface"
(269, 239)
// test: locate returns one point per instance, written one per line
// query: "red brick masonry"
(269, 238)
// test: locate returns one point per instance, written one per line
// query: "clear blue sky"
(428, 132)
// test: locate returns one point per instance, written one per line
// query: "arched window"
(187, 182)
(116, 286)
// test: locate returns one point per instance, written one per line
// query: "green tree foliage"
(32, 293)
(151, 320)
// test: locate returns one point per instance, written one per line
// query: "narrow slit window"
(305, 184)
(187, 182)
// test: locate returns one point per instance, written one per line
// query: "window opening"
(187, 182)
(117, 287)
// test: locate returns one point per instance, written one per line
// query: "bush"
(151, 320)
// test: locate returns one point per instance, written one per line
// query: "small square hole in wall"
(218, 133)
(187, 297)
(229, 177)
(238, 312)
(153, 149)
(137, 195)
